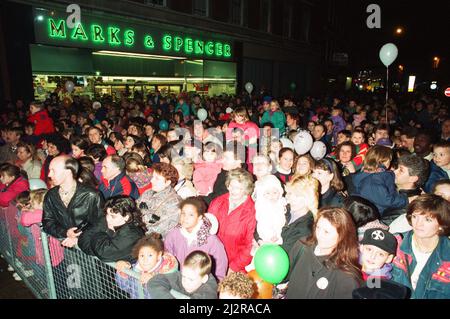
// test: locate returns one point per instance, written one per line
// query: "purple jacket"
(339, 125)
(177, 244)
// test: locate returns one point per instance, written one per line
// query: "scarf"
(200, 233)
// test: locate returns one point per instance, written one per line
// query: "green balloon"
(271, 263)
(293, 86)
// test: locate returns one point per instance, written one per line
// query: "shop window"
(201, 7)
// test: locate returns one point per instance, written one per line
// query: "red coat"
(235, 230)
(18, 186)
(43, 122)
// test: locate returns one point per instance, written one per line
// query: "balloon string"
(387, 93)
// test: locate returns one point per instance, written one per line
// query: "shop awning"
(59, 60)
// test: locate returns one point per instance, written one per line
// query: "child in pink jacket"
(32, 218)
(206, 171)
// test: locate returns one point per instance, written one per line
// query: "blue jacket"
(120, 185)
(380, 189)
(436, 174)
(434, 280)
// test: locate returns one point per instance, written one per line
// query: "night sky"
(426, 34)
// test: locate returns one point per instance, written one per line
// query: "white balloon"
(388, 53)
(287, 143)
(318, 150)
(70, 86)
(249, 87)
(36, 183)
(202, 114)
(303, 142)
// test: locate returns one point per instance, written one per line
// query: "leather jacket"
(85, 205)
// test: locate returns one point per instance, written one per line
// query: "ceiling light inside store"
(137, 55)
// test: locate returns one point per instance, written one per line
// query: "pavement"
(10, 288)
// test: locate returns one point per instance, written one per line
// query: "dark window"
(265, 15)
(287, 20)
(201, 7)
(156, 2)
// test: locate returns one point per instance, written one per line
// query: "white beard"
(270, 218)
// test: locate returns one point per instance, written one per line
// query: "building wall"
(257, 52)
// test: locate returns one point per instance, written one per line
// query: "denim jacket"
(434, 280)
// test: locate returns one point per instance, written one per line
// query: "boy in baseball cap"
(377, 249)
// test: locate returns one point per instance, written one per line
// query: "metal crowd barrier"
(53, 272)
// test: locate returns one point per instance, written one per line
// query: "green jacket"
(278, 119)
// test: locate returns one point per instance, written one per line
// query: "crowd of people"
(187, 201)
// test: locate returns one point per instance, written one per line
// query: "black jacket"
(309, 278)
(86, 205)
(331, 198)
(301, 228)
(219, 187)
(169, 286)
(98, 240)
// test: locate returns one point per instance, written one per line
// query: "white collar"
(191, 236)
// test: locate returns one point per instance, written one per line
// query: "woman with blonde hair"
(185, 169)
(302, 196)
(376, 183)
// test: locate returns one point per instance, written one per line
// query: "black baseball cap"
(380, 238)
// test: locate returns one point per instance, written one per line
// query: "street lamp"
(436, 61)
(399, 31)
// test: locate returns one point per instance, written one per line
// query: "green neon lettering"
(113, 38)
(97, 31)
(226, 50)
(167, 42)
(148, 42)
(199, 47)
(219, 49)
(178, 44)
(56, 31)
(209, 49)
(129, 38)
(188, 45)
(78, 33)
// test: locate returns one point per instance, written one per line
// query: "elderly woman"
(27, 160)
(159, 205)
(302, 195)
(262, 166)
(422, 261)
(185, 169)
(235, 212)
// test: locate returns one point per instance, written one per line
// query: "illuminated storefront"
(112, 55)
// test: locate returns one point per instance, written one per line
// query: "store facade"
(111, 54)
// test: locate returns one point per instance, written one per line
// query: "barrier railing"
(52, 272)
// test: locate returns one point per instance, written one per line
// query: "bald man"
(70, 203)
